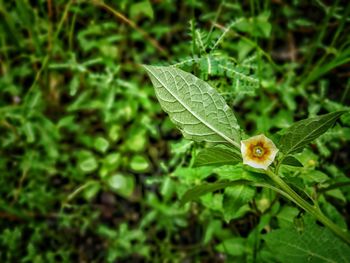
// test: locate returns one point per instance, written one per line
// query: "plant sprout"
(202, 114)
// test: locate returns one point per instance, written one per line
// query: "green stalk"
(313, 210)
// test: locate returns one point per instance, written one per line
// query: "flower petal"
(249, 157)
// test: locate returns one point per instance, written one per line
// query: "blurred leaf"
(256, 26)
(286, 216)
(29, 132)
(190, 175)
(114, 132)
(122, 184)
(239, 171)
(205, 188)
(216, 156)
(235, 202)
(92, 190)
(314, 176)
(89, 164)
(113, 159)
(141, 8)
(292, 161)
(233, 246)
(136, 140)
(74, 86)
(101, 144)
(337, 193)
(211, 229)
(139, 163)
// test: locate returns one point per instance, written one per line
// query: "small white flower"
(258, 151)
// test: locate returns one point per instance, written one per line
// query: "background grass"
(91, 168)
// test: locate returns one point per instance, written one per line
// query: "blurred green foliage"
(91, 169)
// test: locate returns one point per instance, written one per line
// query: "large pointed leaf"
(315, 244)
(216, 156)
(195, 107)
(297, 136)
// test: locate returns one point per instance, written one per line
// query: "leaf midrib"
(194, 114)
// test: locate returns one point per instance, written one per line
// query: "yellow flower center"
(258, 151)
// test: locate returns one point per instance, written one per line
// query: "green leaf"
(235, 203)
(292, 161)
(216, 156)
(303, 132)
(286, 216)
(139, 164)
(205, 188)
(122, 184)
(91, 189)
(89, 164)
(192, 176)
(195, 107)
(238, 172)
(233, 246)
(315, 244)
(213, 227)
(142, 8)
(29, 132)
(101, 144)
(314, 176)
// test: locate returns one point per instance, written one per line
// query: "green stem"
(313, 210)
